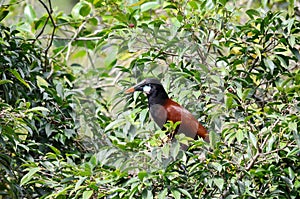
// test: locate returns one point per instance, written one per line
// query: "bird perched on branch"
(163, 109)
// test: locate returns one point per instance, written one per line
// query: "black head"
(153, 89)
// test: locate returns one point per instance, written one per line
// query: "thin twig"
(253, 160)
(42, 31)
(71, 41)
(49, 11)
(78, 39)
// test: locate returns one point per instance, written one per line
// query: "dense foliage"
(67, 130)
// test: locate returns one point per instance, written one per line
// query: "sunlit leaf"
(163, 194)
(38, 109)
(41, 82)
(176, 193)
(219, 182)
(87, 194)
(269, 63)
(5, 82)
(185, 192)
(29, 12)
(18, 77)
(252, 12)
(26, 178)
(149, 5)
(253, 139)
(3, 13)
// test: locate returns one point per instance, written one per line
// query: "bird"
(163, 109)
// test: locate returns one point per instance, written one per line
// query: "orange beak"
(130, 90)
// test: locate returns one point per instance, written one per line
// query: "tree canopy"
(67, 130)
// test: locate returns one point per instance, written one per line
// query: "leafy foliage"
(68, 131)
(35, 111)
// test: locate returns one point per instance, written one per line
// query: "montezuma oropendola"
(163, 109)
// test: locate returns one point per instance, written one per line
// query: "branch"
(266, 49)
(49, 11)
(253, 160)
(78, 39)
(41, 32)
(70, 42)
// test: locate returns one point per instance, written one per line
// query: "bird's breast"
(159, 114)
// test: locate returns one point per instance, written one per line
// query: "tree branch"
(49, 11)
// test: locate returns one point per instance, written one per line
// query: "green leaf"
(81, 10)
(253, 139)
(29, 13)
(48, 130)
(233, 97)
(296, 53)
(175, 148)
(18, 76)
(291, 173)
(171, 7)
(38, 109)
(252, 12)
(5, 81)
(185, 192)
(246, 93)
(219, 182)
(115, 124)
(163, 194)
(87, 194)
(85, 9)
(29, 176)
(291, 7)
(111, 56)
(143, 115)
(270, 143)
(292, 40)
(149, 5)
(282, 61)
(62, 192)
(142, 174)
(137, 3)
(290, 23)
(93, 160)
(41, 82)
(288, 181)
(217, 166)
(239, 135)
(223, 2)
(40, 22)
(3, 13)
(79, 54)
(54, 149)
(228, 101)
(193, 4)
(269, 63)
(293, 126)
(79, 182)
(175, 193)
(147, 194)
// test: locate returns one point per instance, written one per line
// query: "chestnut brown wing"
(189, 125)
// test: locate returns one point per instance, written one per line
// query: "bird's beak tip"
(130, 90)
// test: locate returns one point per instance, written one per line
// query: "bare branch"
(71, 40)
(49, 11)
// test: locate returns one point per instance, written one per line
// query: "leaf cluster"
(68, 131)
